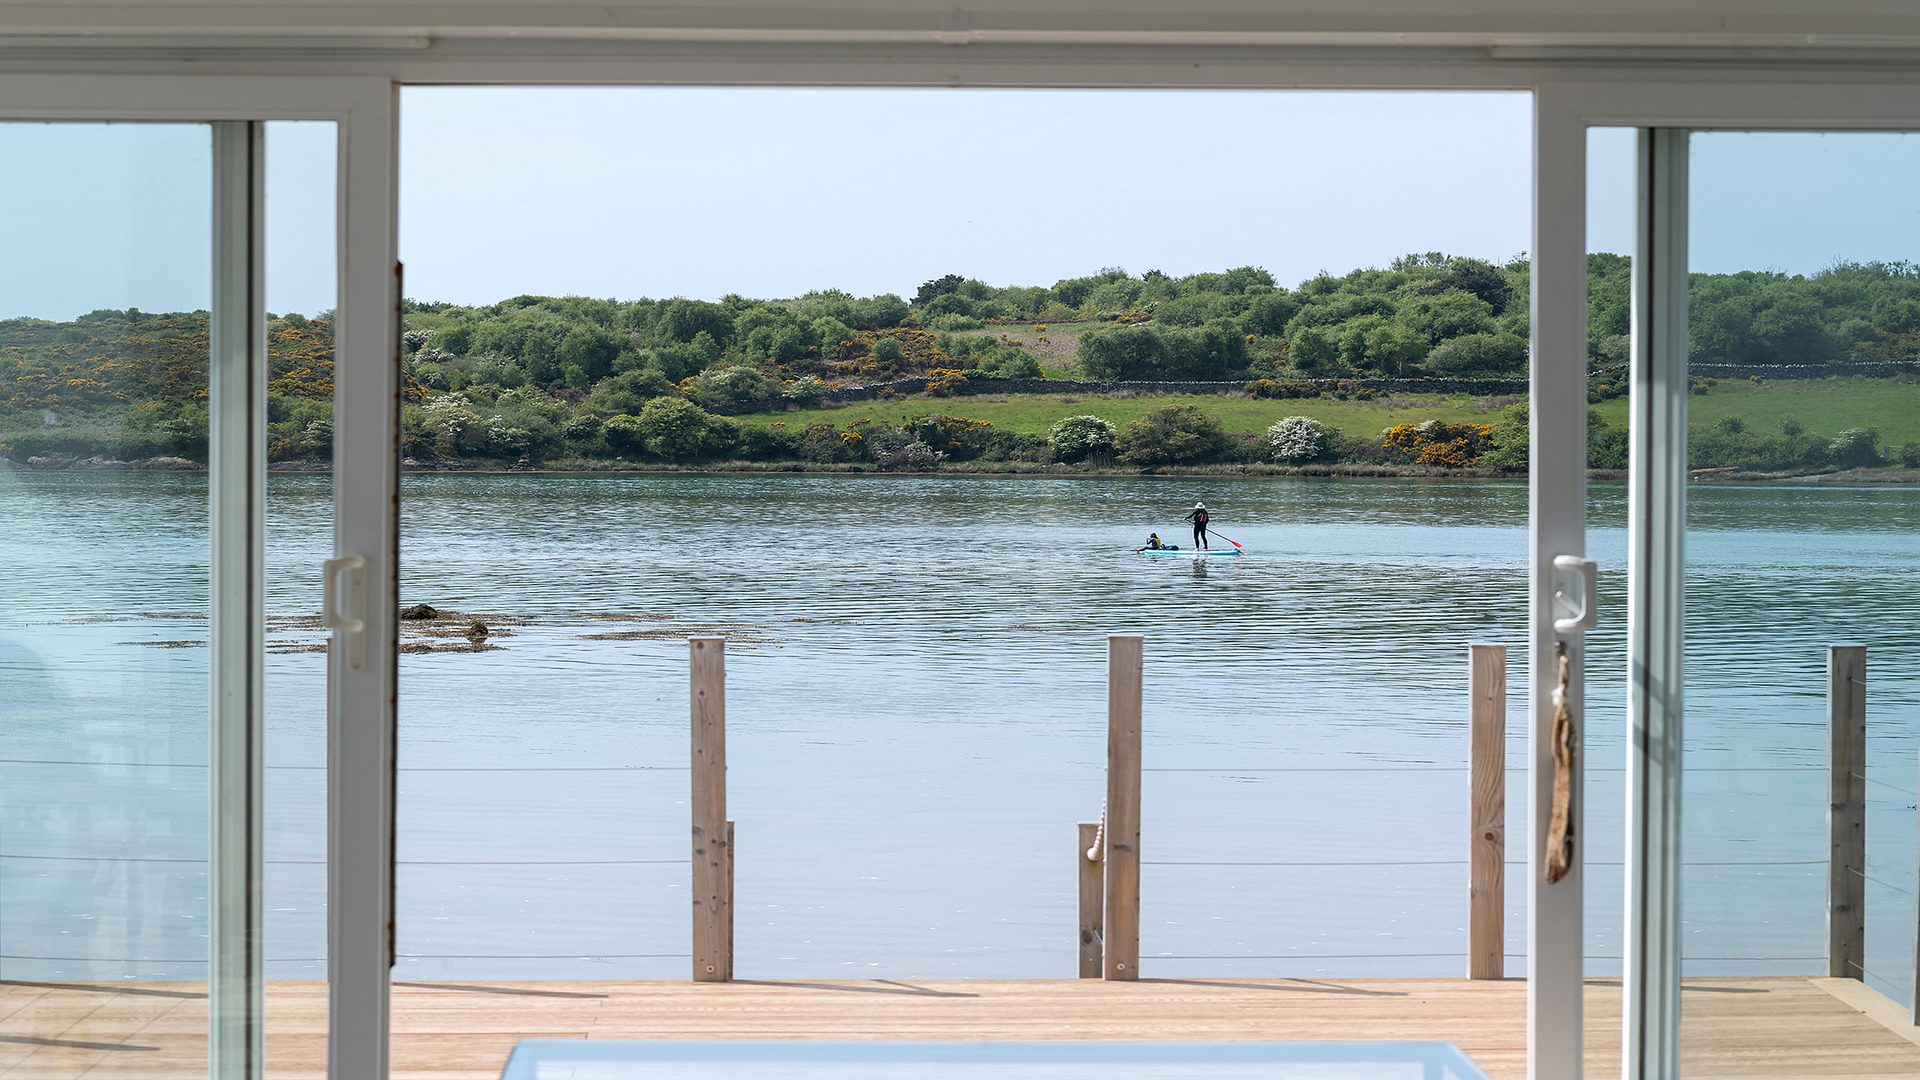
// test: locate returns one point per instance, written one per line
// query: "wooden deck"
(1759, 1028)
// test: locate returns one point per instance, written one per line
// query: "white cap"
(1199, 506)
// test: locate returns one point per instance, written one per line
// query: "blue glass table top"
(619, 1059)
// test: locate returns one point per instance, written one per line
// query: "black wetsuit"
(1199, 519)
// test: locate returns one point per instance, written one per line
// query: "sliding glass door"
(1771, 874)
(195, 516)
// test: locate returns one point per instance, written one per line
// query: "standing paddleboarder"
(1199, 519)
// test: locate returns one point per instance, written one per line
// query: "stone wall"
(1477, 387)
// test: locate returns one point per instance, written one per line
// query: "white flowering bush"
(1075, 437)
(1297, 439)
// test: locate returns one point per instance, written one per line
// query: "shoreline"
(1868, 477)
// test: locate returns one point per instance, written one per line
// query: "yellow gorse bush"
(1440, 443)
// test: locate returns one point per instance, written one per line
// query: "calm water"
(916, 710)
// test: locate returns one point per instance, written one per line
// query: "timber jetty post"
(1487, 814)
(712, 832)
(1120, 930)
(1847, 811)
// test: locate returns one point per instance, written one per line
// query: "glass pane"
(103, 608)
(1610, 231)
(916, 664)
(1804, 435)
(301, 288)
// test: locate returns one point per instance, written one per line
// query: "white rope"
(1099, 849)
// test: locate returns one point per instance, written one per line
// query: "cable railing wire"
(321, 959)
(322, 768)
(1864, 876)
(1908, 792)
(323, 862)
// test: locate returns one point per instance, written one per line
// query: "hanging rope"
(1560, 822)
(1099, 849)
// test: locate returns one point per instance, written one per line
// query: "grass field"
(1824, 407)
(1033, 414)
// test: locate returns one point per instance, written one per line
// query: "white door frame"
(1569, 99)
(1664, 110)
(360, 708)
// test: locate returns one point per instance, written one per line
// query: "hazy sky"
(661, 192)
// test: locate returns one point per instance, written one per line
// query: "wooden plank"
(1753, 1029)
(1486, 888)
(1121, 924)
(731, 852)
(1847, 810)
(1092, 873)
(712, 893)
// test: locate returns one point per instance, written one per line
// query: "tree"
(680, 320)
(627, 392)
(1478, 353)
(1173, 435)
(1446, 315)
(590, 348)
(1122, 353)
(938, 287)
(678, 430)
(1480, 278)
(1311, 349)
(1214, 351)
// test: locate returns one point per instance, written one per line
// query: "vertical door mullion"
(1557, 511)
(237, 456)
(361, 680)
(1656, 609)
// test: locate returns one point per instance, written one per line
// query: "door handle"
(1576, 595)
(348, 619)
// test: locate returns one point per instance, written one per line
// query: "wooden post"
(1121, 924)
(1092, 900)
(1487, 888)
(1847, 810)
(712, 833)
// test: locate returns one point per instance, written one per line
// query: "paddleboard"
(1189, 552)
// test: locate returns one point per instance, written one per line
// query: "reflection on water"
(916, 709)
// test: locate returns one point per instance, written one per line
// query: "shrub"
(734, 386)
(1438, 442)
(773, 443)
(804, 390)
(893, 449)
(1508, 444)
(1479, 353)
(824, 443)
(956, 437)
(672, 429)
(1282, 388)
(1297, 439)
(955, 321)
(1076, 437)
(946, 382)
(1855, 448)
(627, 392)
(1122, 353)
(1173, 435)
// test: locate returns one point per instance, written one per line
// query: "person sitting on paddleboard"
(1154, 544)
(1199, 519)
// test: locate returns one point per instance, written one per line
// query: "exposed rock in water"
(419, 613)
